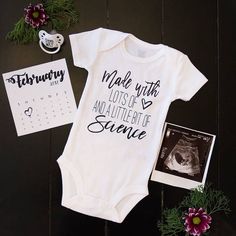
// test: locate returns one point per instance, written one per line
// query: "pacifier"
(50, 43)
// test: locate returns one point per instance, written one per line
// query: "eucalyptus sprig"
(53, 14)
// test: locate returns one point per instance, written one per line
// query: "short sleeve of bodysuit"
(188, 79)
(85, 46)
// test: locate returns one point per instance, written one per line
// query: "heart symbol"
(28, 111)
(146, 104)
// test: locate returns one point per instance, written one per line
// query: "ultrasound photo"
(184, 156)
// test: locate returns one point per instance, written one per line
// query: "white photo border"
(173, 179)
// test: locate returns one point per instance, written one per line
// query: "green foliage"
(202, 197)
(62, 15)
(172, 224)
(210, 199)
(23, 33)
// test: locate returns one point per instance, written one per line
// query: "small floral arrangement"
(56, 14)
(194, 214)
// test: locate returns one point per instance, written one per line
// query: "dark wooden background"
(30, 181)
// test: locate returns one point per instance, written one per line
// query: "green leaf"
(22, 33)
(210, 199)
(62, 13)
(172, 223)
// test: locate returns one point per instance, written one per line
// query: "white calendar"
(40, 97)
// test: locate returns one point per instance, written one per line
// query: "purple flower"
(196, 221)
(35, 15)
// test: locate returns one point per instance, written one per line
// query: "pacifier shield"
(50, 43)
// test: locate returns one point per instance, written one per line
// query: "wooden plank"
(190, 26)
(227, 114)
(65, 221)
(144, 21)
(139, 18)
(24, 160)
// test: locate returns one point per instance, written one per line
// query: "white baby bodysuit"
(116, 133)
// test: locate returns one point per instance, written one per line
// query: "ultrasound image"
(184, 152)
(184, 157)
